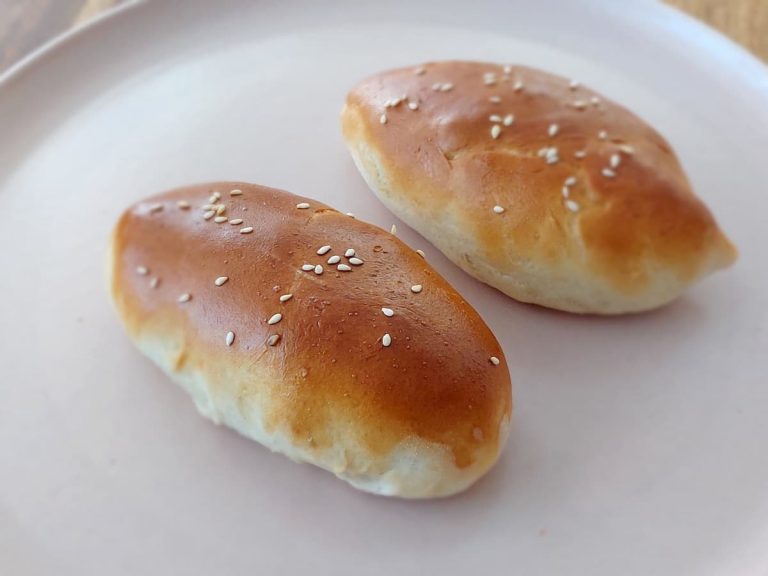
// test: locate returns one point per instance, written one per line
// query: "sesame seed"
(275, 318)
(236, 221)
(552, 156)
(220, 219)
(574, 84)
(572, 205)
(498, 209)
(416, 288)
(553, 130)
(507, 69)
(230, 338)
(220, 209)
(319, 269)
(350, 214)
(184, 298)
(495, 131)
(209, 207)
(155, 282)
(273, 339)
(566, 191)
(349, 252)
(246, 230)
(615, 160)
(495, 361)
(608, 173)
(355, 261)
(343, 268)
(236, 192)
(221, 280)
(183, 204)
(413, 105)
(436, 86)
(142, 270)
(570, 181)
(495, 99)
(286, 297)
(517, 86)
(579, 104)
(388, 312)
(509, 119)
(580, 154)
(156, 207)
(489, 81)
(308, 267)
(335, 259)
(208, 215)
(420, 71)
(494, 118)
(627, 149)
(421, 253)
(323, 250)
(302, 205)
(383, 119)
(386, 340)
(446, 87)
(393, 230)
(603, 135)
(595, 100)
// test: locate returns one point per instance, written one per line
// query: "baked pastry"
(534, 184)
(318, 335)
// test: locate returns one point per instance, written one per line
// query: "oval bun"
(533, 184)
(309, 375)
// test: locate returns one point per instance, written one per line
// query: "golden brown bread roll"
(320, 336)
(533, 184)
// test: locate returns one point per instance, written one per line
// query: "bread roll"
(533, 184)
(320, 336)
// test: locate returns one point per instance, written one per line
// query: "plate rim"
(713, 39)
(30, 61)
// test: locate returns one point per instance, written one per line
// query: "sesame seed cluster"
(344, 259)
(505, 86)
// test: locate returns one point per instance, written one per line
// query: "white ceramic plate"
(639, 445)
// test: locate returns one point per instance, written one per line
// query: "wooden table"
(26, 24)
